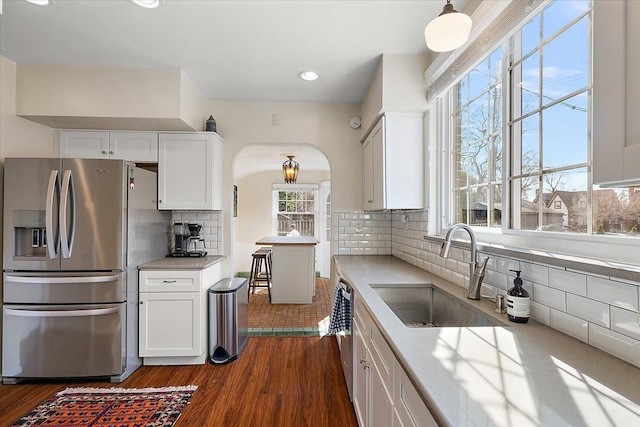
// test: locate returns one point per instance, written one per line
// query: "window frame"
(294, 188)
(549, 242)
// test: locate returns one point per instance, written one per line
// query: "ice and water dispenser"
(30, 234)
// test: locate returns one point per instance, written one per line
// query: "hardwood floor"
(276, 381)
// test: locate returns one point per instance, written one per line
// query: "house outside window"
(557, 204)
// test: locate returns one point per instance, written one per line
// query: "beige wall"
(255, 210)
(323, 126)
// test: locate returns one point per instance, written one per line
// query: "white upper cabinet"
(616, 94)
(393, 163)
(130, 146)
(190, 171)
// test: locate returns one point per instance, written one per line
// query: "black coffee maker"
(181, 236)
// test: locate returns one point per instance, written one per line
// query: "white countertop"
(286, 240)
(517, 375)
(182, 263)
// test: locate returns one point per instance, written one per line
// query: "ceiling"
(232, 50)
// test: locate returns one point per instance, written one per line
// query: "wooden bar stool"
(260, 271)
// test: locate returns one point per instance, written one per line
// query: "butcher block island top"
(286, 240)
(182, 263)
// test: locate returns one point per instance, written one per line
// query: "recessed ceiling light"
(40, 2)
(149, 4)
(308, 75)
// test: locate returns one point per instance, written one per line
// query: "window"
(477, 154)
(550, 86)
(295, 207)
(545, 182)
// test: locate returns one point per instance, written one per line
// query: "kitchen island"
(511, 375)
(294, 269)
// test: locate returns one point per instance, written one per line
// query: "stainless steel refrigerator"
(75, 231)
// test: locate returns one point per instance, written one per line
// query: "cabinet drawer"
(169, 281)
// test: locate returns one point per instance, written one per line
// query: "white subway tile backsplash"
(535, 273)
(505, 265)
(539, 312)
(570, 325)
(614, 343)
(550, 297)
(493, 278)
(616, 293)
(626, 322)
(588, 309)
(568, 281)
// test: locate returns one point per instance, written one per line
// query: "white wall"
(255, 210)
(323, 126)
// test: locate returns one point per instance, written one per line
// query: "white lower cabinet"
(171, 324)
(383, 395)
(173, 321)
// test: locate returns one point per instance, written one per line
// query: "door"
(63, 340)
(134, 146)
(31, 232)
(177, 334)
(92, 214)
(84, 144)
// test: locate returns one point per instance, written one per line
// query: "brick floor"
(290, 319)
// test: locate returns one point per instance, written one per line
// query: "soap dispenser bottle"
(518, 301)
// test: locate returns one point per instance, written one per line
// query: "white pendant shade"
(448, 31)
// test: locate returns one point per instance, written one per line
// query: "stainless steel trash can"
(228, 320)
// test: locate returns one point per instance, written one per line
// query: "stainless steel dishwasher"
(345, 338)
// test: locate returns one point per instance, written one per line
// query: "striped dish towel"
(341, 315)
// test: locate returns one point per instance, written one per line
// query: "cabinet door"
(177, 334)
(373, 169)
(361, 374)
(134, 146)
(84, 144)
(187, 173)
(381, 402)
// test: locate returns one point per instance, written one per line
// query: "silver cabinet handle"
(111, 152)
(169, 281)
(141, 302)
(104, 152)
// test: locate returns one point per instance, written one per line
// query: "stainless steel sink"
(423, 305)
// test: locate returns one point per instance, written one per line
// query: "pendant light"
(449, 31)
(290, 170)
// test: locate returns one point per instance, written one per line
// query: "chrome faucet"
(476, 270)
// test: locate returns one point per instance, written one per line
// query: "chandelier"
(290, 170)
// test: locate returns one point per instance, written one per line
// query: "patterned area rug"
(100, 407)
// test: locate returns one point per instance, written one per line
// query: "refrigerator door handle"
(60, 313)
(68, 195)
(54, 237)
(71, 279)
